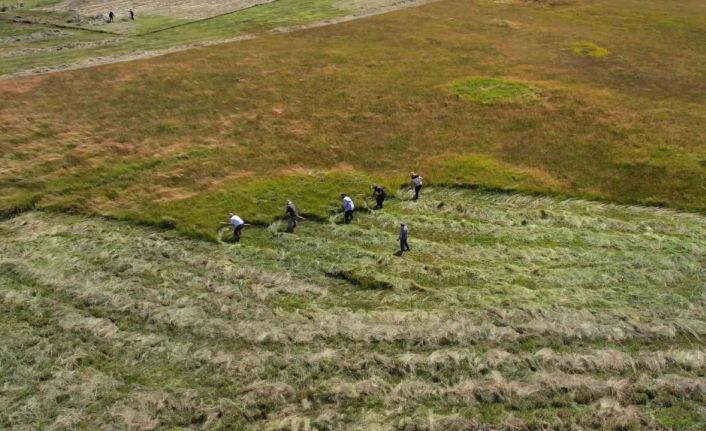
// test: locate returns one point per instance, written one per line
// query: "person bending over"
(380, 196)
(348, 208)
(238, 225)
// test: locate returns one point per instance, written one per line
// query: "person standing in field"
(417, 183)
(404, 235)
(348, 208)
(238, 225)
(111, 16)
(132, 15)
(291, 211)
(380, 196)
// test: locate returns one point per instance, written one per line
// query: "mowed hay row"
(511, 312)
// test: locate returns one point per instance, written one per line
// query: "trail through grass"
(510, 312)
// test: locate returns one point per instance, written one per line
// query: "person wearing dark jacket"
(291, 211)
(417, 183)
(380, 196)
(404, 234)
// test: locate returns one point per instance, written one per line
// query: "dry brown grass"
(371, 95)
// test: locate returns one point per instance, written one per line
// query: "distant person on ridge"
(348, 208)
(132, 15)
(111, 16)
(417, 183)
(291, 211)
(404, 234)
(238, 225)
(380, 196)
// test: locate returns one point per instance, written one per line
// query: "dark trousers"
(416, 192)
(404, 246)
(379, 200)
(291, 224)
(236, 233)
(347, 216)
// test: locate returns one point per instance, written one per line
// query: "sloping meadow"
(510, 312)
(569, 98)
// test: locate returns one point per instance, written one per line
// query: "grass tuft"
(487, 90)
(588, 49)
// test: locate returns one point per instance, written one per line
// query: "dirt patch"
(372, 5)
(19, 86)
(551, 2)
(506, 23)
(169, 194)
(213, 185)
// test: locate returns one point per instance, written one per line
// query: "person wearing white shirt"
(238, 225)
(348, 208)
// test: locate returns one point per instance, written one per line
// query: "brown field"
(267, 119)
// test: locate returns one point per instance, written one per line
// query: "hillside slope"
(585, 99)
(510, 311)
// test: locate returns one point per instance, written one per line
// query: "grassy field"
(511, 312)
(185, 138)
(519, 306)
(82, 43)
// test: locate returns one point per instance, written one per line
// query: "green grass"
(148, 33)
(588, 49)
(150, 23)
(510, 309)
(487, 90)
(513, 310)
(28, 4)
(313, 113)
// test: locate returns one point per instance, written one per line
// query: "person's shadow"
(398, 253)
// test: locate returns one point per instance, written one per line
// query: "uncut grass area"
(184, 138)
(511, 312)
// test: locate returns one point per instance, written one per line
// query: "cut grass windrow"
(483, 324)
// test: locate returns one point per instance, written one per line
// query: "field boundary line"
(262, 3)
(142, 55)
